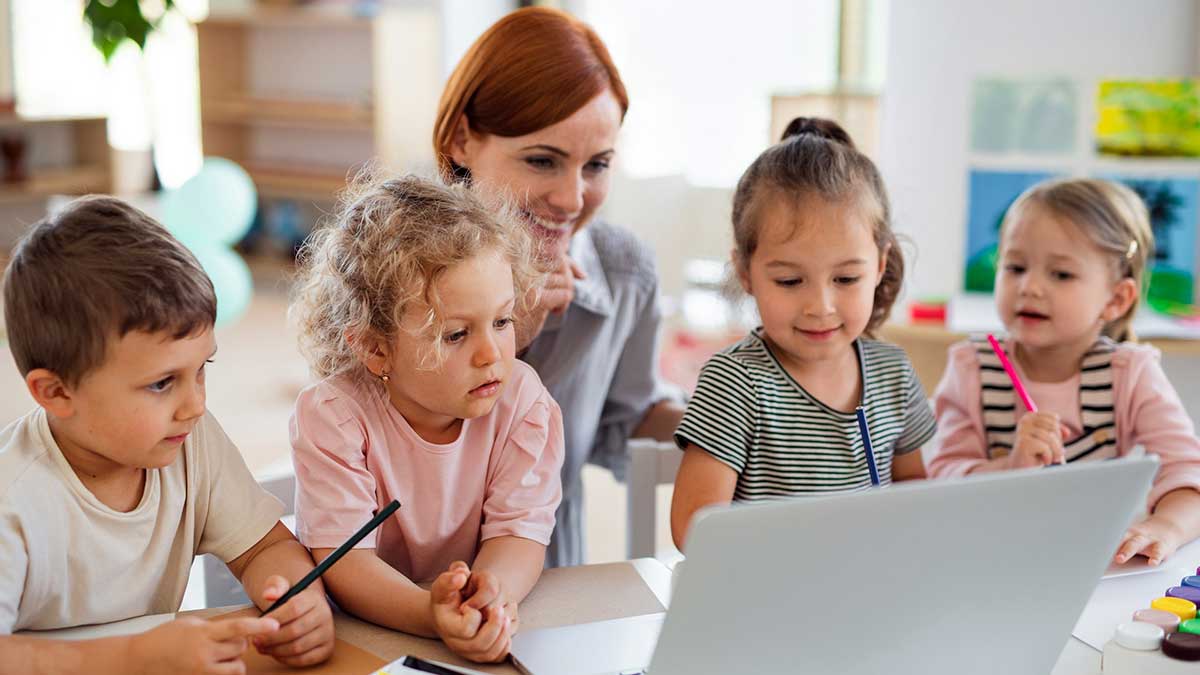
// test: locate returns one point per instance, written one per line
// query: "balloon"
(216, 206)
(230, 278)
(209, 213)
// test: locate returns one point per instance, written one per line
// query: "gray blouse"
(599, 360)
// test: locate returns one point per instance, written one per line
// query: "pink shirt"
(354, 453)
(1147, 409)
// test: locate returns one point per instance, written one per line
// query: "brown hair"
(382, 254)
(533, 68)
(1112, 216)
(96, 270)
(817, 157)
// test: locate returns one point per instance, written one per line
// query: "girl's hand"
(305, 634)
(481, 636)
(482, 590)
(1039, 441)
(1155, 537)
(452, 618)
(198, 646)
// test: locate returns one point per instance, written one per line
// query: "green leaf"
(114, 21)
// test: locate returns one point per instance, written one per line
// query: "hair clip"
(1132, 250)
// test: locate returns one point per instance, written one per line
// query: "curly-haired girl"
(406, 305)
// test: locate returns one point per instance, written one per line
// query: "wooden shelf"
(280, 180)
(364, 87)
(12, 119)
(46, 182)
(294, 113)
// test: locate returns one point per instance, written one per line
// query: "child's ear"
(741, 268)
(1123, 295)
(50, 392)
(460, 142)
(883, 258)
(373, 352)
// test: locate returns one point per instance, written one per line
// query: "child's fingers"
(1047, 436)
(483, 589)
(445, 588)
(498, 649)
(303, 643)
(274, 588)
(294, 608)
(463, 623)
(489, 631)
(296, 627)
(229, 649)
(1157, 551)
(1133, 544)
(229, 629)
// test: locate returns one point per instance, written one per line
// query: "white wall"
(678, 220)
(6, 64)
(937, 48)
(465, 20)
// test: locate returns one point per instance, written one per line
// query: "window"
(150, 96)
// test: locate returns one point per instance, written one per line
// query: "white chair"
(651, 463)
(221, 588)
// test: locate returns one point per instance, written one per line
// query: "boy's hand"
(479, 635)
(305, 634)
(1155, 537)
(1039, 441)
(198, 646)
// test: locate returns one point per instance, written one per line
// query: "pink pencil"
(1012, 374)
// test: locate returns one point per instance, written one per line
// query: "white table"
(1077, 658)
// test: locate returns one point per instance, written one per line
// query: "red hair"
(533, 68)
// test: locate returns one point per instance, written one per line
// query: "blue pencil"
(866, 438)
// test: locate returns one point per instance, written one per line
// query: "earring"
(384, 376)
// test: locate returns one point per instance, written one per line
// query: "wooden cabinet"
(302, 97)
(59, 155)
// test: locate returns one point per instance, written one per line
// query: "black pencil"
(335, 556)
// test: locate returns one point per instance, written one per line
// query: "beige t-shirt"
(66, 559)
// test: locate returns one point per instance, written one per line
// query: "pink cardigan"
(1147, 409)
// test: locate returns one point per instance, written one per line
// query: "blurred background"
(962, 104)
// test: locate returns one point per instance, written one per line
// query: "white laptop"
(981, 575)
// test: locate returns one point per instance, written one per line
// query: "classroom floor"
(253, 384)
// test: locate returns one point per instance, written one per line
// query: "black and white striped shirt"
(749, 413)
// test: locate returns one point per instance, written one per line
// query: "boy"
(119, 477)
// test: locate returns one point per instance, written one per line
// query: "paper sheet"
(1141, 565)
(1116, 599)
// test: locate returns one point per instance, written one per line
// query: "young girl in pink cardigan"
(1072, 258)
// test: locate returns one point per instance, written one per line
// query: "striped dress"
(750, 414)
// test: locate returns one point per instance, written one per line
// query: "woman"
(532, 111)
